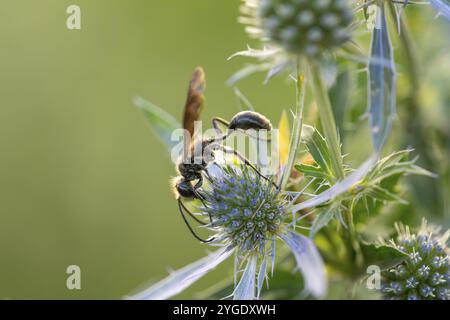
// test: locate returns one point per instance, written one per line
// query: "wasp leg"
(246, 162)
(200, 196)
(215, 123)
(190, 214)
(197, 193)
(254, 137)
(198, 186)
(208, 176)
(180, 207)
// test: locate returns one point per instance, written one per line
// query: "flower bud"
(307, 27)
(424, 273)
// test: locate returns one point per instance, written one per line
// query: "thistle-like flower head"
(306, 27)
(247, 213)
(425, 274)
(292, 30)
(246, 210)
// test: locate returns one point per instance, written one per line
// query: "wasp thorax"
(425, 273)
(246, 209)
(307, 27)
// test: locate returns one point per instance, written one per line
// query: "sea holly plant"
(247, 215)
(378, 185)
(425, 272)
(311, 213)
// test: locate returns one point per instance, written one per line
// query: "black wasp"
(191, 166)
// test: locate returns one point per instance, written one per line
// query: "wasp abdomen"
(246, 120)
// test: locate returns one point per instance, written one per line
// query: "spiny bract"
(425, 273)
(305, 26)
(245, 209)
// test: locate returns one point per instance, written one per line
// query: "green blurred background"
(82, 178)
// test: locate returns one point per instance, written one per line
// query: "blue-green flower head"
(426, 271)
(307, 27)
(246, 209)
(247, 214)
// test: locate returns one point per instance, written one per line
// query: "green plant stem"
(297, 126)
(359, 259)
(331, 135)
(326, 117)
